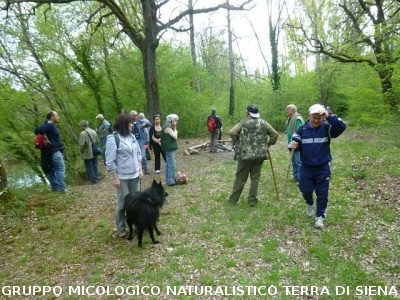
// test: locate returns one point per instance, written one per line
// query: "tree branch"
(356, 25)
(201, 11)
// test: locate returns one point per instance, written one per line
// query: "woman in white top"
(123, 161)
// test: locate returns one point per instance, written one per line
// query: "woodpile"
(194, 150)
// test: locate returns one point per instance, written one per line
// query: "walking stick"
(287, 174)
(273, 174)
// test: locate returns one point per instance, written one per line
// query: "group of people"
(146, 133)
(124, 146)
(125, 155)
(125, 152)
(309, 144)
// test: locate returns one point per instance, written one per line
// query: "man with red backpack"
(214, 125)
(52, 158)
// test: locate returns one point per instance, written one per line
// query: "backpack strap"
(91, 142)
(116, 137)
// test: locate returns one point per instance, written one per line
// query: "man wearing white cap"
(313, 141)
(103, 130)
(252, 137)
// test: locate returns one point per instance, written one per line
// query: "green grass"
(68, 240)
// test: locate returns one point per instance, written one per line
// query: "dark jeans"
(157, 156)
(92, 169)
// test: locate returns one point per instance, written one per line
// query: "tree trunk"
(385, 74)
(5, 193)
(231, 67)
(318, 66)
(148, 49)
(151, 80)
(275, 76)
(196, 80)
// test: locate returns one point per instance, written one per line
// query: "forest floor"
(69, 240)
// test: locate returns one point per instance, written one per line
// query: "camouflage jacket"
(252, 138)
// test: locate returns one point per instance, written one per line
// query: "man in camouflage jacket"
(252, 138)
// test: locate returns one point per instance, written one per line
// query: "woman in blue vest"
(169, 144)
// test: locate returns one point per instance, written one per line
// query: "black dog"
(143, 210)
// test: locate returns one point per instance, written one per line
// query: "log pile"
(221, 145)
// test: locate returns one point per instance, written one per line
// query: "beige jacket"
(85, 144)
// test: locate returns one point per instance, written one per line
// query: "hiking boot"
(310, 210)
(319, 222)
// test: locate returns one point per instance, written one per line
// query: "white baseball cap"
(253, 111)
(316, 109)
(100, 116)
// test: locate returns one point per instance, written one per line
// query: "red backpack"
(211, 124)
(41, 141)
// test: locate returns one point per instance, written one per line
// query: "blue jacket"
(52, 133)
(314, 143)
(139, 132)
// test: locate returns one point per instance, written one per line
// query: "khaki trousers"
(243, 170)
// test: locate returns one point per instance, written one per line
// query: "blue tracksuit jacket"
(313, 143)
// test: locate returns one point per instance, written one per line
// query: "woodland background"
(81, 58)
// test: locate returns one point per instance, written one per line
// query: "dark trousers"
(243, 170)
(157, 156)
(92, 170)
(316, 179)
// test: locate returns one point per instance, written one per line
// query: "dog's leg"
(140, 236)
(150, 228)
(130, 229)
(156, 228)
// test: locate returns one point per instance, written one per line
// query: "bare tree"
(196, 79)
(231, 67)
(143, 27)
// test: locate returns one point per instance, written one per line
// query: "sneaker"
(157, 171)
(122, 235)
(310, 210)
(319, 222)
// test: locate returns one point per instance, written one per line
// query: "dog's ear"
(154, 182)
